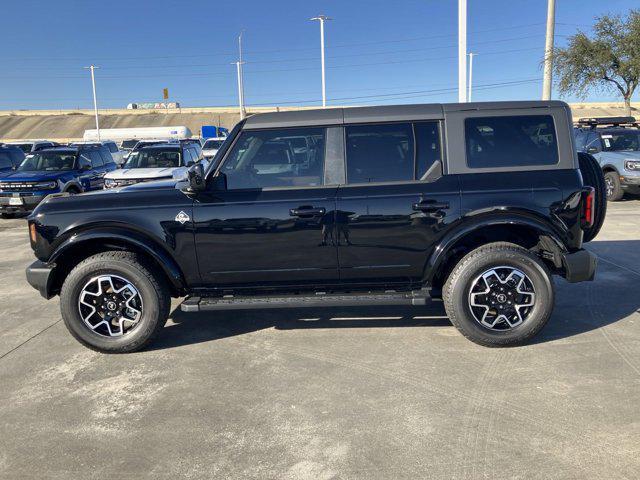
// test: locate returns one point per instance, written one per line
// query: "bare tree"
(608, 60)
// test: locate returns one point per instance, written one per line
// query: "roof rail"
(607, 121)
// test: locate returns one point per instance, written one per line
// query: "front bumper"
(18, 202)
(627, 180)
(40, 276)
(579, 266)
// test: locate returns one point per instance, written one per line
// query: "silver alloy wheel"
(609, 187)
(501, 298)
(110, 305)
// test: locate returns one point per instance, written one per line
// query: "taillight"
(588, 207)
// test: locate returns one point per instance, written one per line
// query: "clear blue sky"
(399, 51)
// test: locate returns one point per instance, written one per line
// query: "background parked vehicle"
(117, 154)
(11, 156)
(155, 162)
(117, 134)
(28, 146)
(211, 146)
(60, 169)
(615, 143)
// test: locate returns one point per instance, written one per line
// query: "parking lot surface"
(335, 393)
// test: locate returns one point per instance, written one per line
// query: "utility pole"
(548, 51)
(462, 51)
(95, 100)
(322, 19)
(471, 55)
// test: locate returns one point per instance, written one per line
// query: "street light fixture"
(322, 19)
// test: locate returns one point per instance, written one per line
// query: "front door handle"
(430, 206)
(307, 211)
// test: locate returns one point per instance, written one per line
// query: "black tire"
(457, 294)
(8, 215)
(593, 176)
(73, 190)
(152, 289)
(613, 187)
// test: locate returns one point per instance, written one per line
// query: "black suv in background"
(53, 170)
(477, 204)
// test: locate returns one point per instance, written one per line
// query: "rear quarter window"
(510, 141)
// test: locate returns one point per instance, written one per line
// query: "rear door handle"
(307, 211)
(430, 206)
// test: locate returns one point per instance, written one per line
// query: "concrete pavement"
(344, 393)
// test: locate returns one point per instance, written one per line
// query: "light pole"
(239, 64)
(471, 55)
(462, 51)
(95, 100)
(322, 19)
(548, 51)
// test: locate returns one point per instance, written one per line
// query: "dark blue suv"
(53, 170)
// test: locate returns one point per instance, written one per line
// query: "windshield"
(48, 162)
(25, 147)
(209, 144)
(128, 144)
(153, 158)
(621, 141)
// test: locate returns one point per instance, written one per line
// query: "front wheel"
(114, 302)
(614, 189)
(499, 295)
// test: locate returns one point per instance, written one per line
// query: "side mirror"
(190, 163)
(85, 167)
(592, 150)
(195, 175)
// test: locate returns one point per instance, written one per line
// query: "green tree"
(608, 60)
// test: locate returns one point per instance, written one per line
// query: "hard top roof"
(162, 146)
(384, 113)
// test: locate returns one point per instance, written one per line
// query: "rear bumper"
(39, 276)
(579, 266)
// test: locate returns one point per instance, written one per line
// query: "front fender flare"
(163, 258)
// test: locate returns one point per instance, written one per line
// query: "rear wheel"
(499, 295)
(114, 302)
(593, 176)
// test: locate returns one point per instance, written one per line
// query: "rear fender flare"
(441, 252)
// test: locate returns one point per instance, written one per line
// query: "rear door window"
(106, 156)
(112, 147)
(510, 141)
(379, 153)
(427, 147)
(96, 159)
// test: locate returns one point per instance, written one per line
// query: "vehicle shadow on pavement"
(191, 328)
(580, 308)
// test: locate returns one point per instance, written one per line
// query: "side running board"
(231, 302)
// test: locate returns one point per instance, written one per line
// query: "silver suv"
(615, 143)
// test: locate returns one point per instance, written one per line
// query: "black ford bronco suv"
(476, 204)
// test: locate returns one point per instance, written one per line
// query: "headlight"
(632, 165)
(110, 183)
(45, 185)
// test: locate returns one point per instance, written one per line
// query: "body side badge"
(182, 217)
